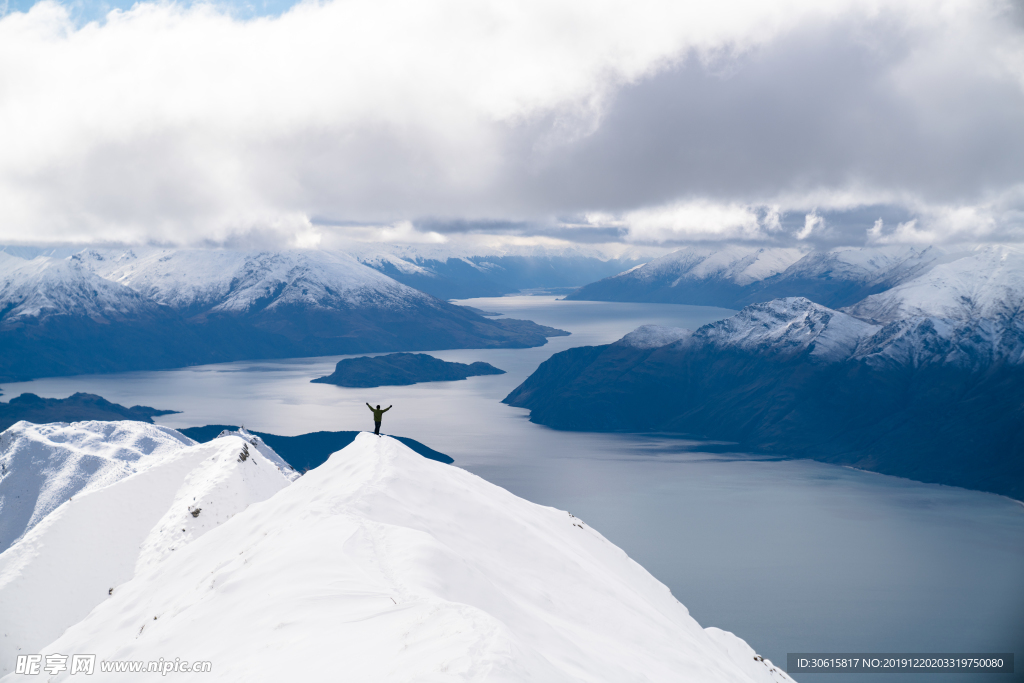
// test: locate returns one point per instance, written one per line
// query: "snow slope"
(45, 287)
(787, 327)
(737, 275)
(82, 552)
(740, 265)
(45, 465)
(235, 282)
(867, 266)
(381, 565)
(988, 283)
(654, 336)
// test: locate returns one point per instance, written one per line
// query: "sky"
(561, 122)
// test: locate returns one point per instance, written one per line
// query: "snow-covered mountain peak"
(84, 551)
(235, 475)
(653, 336)
(45, 465)
(236, 282)
(739, 264)
(46, 287)
(869, 264)
(787, 327)
(265, 450)
(986, 283)
(381, 565)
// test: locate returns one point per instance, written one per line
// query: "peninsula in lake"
(398, 369)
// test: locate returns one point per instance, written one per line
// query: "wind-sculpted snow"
(383, 566)
(83, 551)
(45, 465)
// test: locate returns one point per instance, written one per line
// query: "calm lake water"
(793, 556)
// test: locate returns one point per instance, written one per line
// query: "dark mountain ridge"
(930, 399)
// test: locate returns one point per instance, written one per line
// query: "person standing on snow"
(378, 414)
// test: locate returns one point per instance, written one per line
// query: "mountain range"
(733, 276)
(923, 380)
(109, 311)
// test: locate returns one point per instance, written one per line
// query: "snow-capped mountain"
(82, 552)
(787, 328)
(711, 276)
(381, 565)
(31, 291)
(41, 466)
(734, 276)
(234, 282)
(44, 465)
(103, 311)
(987, 283)
(653, 336)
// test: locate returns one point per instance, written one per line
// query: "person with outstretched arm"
(378, 414)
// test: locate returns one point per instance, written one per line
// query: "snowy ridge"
(381, 565)
(988, 283)
(80, 553)
(976, 344)
(46, 286)
(753, 664)
(787, 327)
(225, 281)
(236, 475)
(881, 266)
(737, 264)
(653, 336)
(378, 260)
(45, 465)
(265, 450)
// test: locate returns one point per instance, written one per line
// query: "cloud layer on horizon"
(648, 122)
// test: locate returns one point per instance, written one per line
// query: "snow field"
(94, 542)
(381, 565)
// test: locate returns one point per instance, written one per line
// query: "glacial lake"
(791, 555)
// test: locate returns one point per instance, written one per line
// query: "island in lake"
(398, 369)
(75, 408)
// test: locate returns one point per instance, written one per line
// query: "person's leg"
(376, 428)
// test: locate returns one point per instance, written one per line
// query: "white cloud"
(185, 125)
